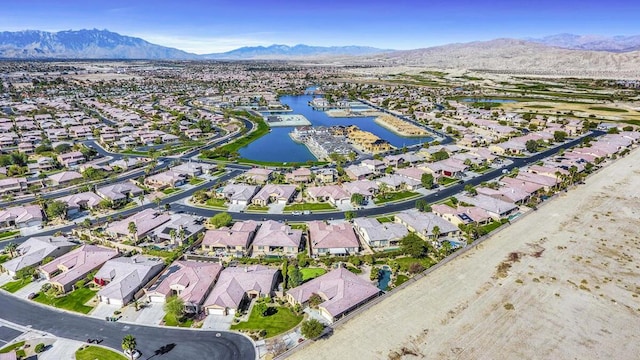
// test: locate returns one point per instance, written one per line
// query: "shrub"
(311, 329)
(40, 348)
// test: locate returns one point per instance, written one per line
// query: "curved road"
(176, 343)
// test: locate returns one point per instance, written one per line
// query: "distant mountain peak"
(617, 43)
(281, 51)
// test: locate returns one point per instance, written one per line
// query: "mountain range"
(592, 42)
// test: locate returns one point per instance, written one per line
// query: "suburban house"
(165, 179)
(179, 229)
(515, 195)
(281, 194)
(301, 175)
(191, 281)
(239, 194)
(33, 251)
(10, 185)
(64, 177)
(333, 239)
(326, 175)
(71, 159)
(423, 224)
(366, 188)
(65, 271)
(237, 285)
(258, 175)
(192, 169)
(377, 166)
(498, 209)
(341, 291)
(79, 202)
(332, 194)
(274, 238)
(232, 241)
(119, 192)
(21, 216)
(462, 214)
(122, 278)
(145, 221)
(396, 182)
(379, 235)
(358, 172)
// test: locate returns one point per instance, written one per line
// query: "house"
(452, 168)
(71, 159)
(462, 214)
(281, 194)
(165, 180)
(498, 209)
(189, 280)
(376, 166)
(121, 278)
(64, 177)
(379, 235)
(33, 251)
(239, 194)
(79, 202)
(332, 194)
(144, 222)
(274, 238)
(424, 224)
(358, 172)
(10, 185)
(21, 216)
(396, 182)
(301, 175)
(332, 239)
(328, 175)
(230, 241)
(258, 175)
(237, 285)
(341, 291)
(179, 229)
(65, 271)
(193, 169)
(119, 192)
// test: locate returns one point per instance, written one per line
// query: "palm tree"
(129, 345)
(172, 235)
(436, 232)
(133, 230)
(11, 248)
(181, 234)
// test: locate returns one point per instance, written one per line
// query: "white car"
(136, 354)
(296, 213)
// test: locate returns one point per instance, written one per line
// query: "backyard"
(311, 273)
(282, 320)
(74, 301)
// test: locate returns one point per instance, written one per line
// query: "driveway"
(218, 322)
(150, 314)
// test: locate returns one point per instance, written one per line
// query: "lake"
(278, 146)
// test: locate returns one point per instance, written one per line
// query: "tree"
(295, 276)
(427, 180)
(62, 148)
(11, 248)
(413, 246)
(559, 136)
(531, 146)
(262, 308)
(172, 235)
(40, 348)
(174, 306)
(470, 190)
(56, 209)
(133, 230)
(349, 215)
(440, 155)
(129, 345)
(221, 220)
(311, 329)
(357, 199)
(375, 274)
(436, 232)
(315, 300)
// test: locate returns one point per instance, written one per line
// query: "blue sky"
(214, 26)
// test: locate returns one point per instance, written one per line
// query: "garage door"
(156, 299)
(215, 311)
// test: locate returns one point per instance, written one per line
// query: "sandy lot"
(561, 283)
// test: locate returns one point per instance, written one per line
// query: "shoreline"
(380, 121)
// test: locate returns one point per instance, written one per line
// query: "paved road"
(183, 343)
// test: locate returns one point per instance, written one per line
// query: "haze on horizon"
(223, 25)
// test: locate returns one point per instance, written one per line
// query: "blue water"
(385, 278)
(278, 146)
(504, 101)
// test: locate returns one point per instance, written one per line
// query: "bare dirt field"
(561, 283)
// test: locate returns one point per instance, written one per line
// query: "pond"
(385, 278)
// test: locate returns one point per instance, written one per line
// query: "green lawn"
(170, 191)
(405, 262)
(385, 219)
(196, 181)
(11, 347)
(395, 196)
(97, 352)
(14, 286)
(491, 226)
(74, 301)
(171, 320)
(604, 108)
(216, 203)
(257, 208)
(309, 206)
(284, 319)
(7, 234)
(445, 181)
(400, 279)
(311, 273)
(4, 258)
